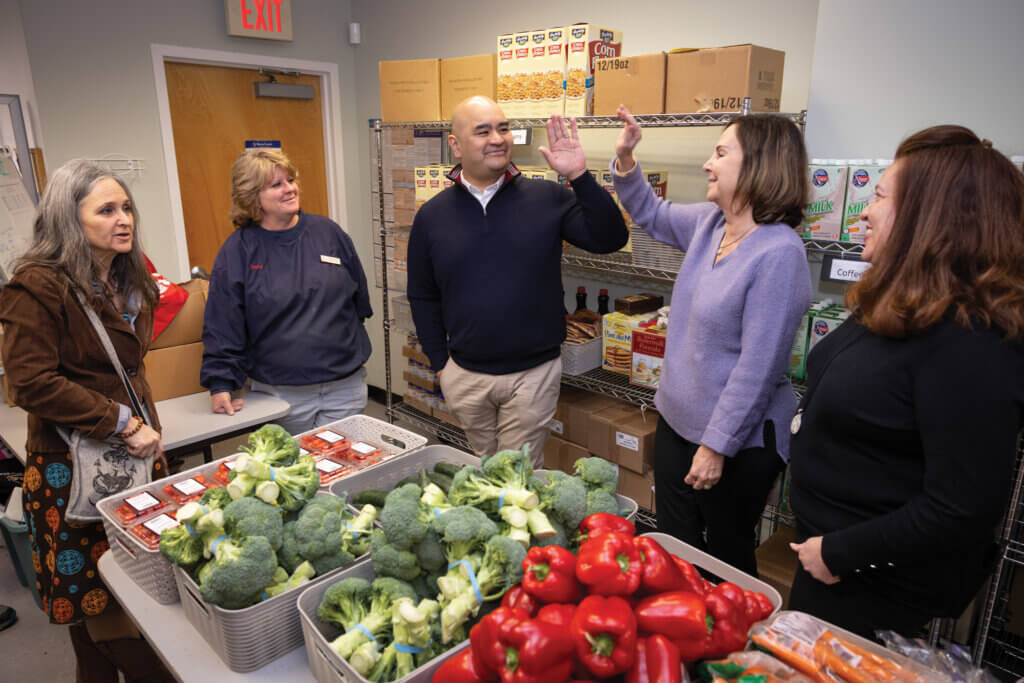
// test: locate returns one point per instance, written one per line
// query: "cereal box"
(828, 189)
(435, 180)
(862, 177)
(422, 188)
(547, 93)
(648, 357)
(617, 341)
(506, 71)
(586, 42)
(521, 76)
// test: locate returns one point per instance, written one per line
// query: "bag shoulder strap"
(108, 346)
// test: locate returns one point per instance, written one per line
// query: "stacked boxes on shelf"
(821, 320)
(588, 425)
(840, 191)
(423, 390)
(862, 177)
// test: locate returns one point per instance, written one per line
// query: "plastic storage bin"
(391, 440)
(580, 358)
(328, 667)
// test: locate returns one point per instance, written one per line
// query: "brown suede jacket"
(56, 368)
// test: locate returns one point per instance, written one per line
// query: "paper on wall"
(16, 215)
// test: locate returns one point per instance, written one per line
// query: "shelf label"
(522, 136)
(627, 441)
(842, 269)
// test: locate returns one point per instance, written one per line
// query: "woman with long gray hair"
(85, 243)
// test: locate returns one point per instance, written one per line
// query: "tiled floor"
(33, 649)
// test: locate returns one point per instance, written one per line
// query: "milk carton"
(862, 177)
(798, 355)
(824, 219)
(825, 323)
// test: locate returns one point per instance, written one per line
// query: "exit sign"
(268, 19)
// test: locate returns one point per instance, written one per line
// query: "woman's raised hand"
(628, 140)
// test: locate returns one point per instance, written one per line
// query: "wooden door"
(214, 110)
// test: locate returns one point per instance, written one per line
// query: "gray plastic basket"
(249, 639)
(580, 358)
(326, 665)
(393, 441)
(387, 474)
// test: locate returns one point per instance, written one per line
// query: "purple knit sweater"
(732, 324)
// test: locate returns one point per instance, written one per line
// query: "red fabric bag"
(172, 299)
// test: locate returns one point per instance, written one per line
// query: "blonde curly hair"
(251, 172)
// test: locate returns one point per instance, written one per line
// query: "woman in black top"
(903, 449)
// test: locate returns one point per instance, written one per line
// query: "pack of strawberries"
(621, 609)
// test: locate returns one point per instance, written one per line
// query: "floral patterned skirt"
(65, 555)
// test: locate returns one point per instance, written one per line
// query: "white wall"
(15, 75)
(884, 69)
(93, 75)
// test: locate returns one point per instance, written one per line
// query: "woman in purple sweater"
(724, 399)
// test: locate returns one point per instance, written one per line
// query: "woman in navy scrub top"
(287, 302)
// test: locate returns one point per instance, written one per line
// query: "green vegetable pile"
(456, 536)
(243, 547)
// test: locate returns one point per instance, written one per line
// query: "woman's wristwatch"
(135, 424)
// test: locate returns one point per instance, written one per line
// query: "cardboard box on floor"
(464, 77)
(637, 82)
(560, 454)
(578, 412)
(561, 417)
(623, 434)
(718, 78)
(410, 90)
(776, 561)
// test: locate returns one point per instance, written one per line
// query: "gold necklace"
(726, 245)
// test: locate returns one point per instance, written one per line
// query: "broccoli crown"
(561, 538)
(288, 554)
(600, 500)
(319, 527)
(344, 603)
(462, 530)
(272, 445)
(215, 498)
(402, 518)
(252, 517)
(504, 557)
(598, 473)
(430, 553)
(325, 563)
(385, 590)
(388, 560)
(298, 482)
(508, 468)
(239, 572)
(181, 545)
(470, 487)
(565, 499)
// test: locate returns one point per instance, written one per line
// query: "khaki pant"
(502, 412)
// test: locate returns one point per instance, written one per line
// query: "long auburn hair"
(59, 241)
(957, 240)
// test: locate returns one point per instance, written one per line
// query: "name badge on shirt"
(324, 258)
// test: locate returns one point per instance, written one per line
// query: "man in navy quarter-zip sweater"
(485, 280)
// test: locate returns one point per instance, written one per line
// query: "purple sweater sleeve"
(665, 221)
(777, 295)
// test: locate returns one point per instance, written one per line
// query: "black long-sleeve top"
(485, 287)
(904, 457)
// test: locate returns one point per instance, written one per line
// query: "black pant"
(720, 520)
(855, 606)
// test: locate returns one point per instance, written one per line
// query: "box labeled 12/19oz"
(636, 82)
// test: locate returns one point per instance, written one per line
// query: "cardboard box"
(624, 435)
(445, 416)
(637, 304)
(187, 326)
(637, 82)
(174, 371)
(410, 399)
(562, 455)
(776, 561)
(718, 78)
(464, 77)
(578, 412)
(416, 355)
(636, 486)
(587, 42)
(410, 90)
(421, 382)
(567, 396)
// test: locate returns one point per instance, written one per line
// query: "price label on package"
(161, 523)
(142, 501)
(329, 436)
(328, 466)
(189, 487)
(363, 448)
(627, 441)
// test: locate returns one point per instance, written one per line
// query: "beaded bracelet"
(130, 431)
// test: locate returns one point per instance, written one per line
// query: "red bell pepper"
(609, 564)
(559, 615)
(758, 606)
(520, 649)
(679, 615)
(694, 581)
(464, 667)
(726, 607)
(656, 661)
(600, 522)
(516, 596)
(549, 574)
(604, 633)
(661, 573)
